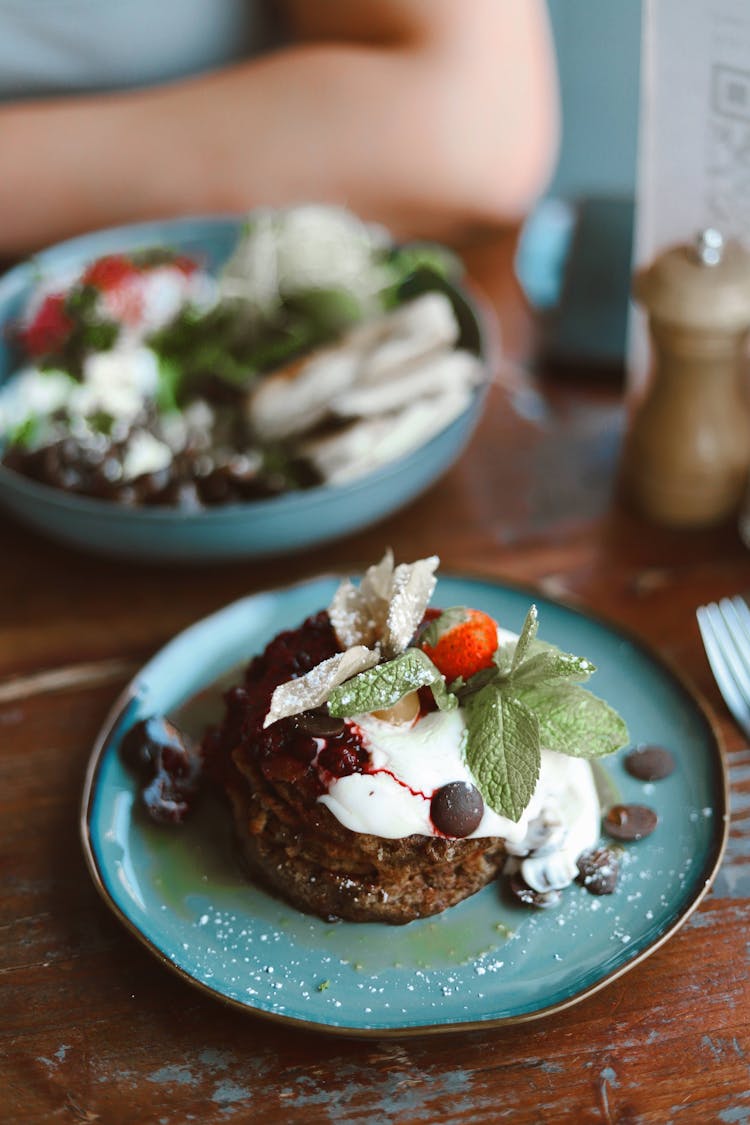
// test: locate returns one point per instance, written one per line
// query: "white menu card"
(694, 142)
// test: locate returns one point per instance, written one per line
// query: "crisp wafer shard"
(387, 606)
(313, 689)
(358, 613)
(412, 587)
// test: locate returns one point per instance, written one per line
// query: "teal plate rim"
(692, 805)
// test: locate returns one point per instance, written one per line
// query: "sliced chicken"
(399, 378)
(436, 375)
(369, 443)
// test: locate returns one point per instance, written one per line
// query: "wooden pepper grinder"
(687, 454)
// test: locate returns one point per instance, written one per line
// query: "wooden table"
(94, 1029)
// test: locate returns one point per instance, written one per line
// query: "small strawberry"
(48, 331)
(460, 642)
(110, 272)
(119, 282)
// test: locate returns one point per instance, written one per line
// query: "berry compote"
(307, 750)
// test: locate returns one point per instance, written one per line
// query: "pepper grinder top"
(687, 454)
(705, 286)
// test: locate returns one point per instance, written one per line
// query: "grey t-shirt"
(51, 47)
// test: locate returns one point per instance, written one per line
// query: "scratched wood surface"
(93, 1029)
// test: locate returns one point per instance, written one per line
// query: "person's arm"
(429, 115)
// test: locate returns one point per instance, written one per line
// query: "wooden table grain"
(93, 1029)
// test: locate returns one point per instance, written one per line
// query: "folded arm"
(432, 116)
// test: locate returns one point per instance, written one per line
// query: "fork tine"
(740, 607)
(721, 650)
(738, 645)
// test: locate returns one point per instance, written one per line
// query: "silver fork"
(725, 628)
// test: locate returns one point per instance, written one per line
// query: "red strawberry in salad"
(120, 284)
(48, 330)
(110, 272)
(460, 642)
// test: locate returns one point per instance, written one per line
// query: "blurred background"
(575, 255)
(598, 58)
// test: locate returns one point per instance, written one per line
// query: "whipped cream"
(407, 766)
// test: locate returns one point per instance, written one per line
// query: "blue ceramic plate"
(487, 961)
(264, 527)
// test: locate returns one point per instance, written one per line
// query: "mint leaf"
(447, 619)
(528, 633)
(466, 688)
(572, 720)
(382, 686)
(530, 698)
(445, 699)
(503, 657)
(549, 664)
(502, 750)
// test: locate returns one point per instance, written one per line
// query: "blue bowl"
(262, 527)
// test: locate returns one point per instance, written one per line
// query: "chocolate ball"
(598, 870)
(457, 809)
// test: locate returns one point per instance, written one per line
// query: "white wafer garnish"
(313, 689)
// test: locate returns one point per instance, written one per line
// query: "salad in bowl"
(311, 354)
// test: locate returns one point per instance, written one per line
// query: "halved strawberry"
(460, 642)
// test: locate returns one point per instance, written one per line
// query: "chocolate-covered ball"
(598, 870)
(457, 809)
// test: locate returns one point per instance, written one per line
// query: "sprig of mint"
(530, 698)
(384, 685)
